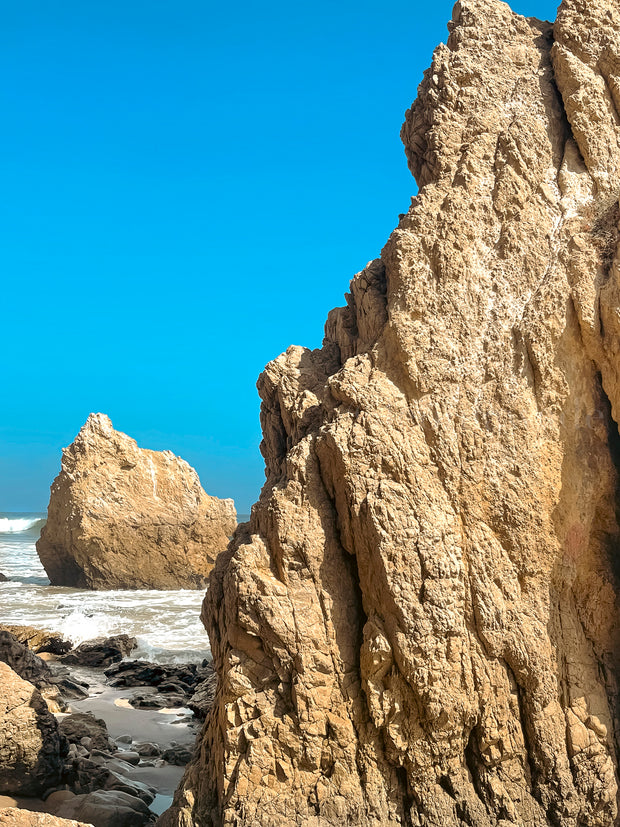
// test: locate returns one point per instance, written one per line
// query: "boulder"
(145, 673)
(178, 755)
(19, 657)
(81, 725)
(32, 668)
(101, 652)
(121, 517)
(31, 747)
(99, 772)
(13, 817)
(39, 640)
(420, 623)
(157, 700)
(107, 808)
(70, 689)
(148, 749)
(128, 756)
(191, 685)
(4, 578)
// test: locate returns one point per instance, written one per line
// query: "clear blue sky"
(187, 189)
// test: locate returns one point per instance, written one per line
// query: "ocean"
(166, 624)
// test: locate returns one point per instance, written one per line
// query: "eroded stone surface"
(13, 817)
(121, 517)
(419, 626)
(31, 748)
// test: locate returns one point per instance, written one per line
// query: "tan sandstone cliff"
(419, 626)
(121, 517)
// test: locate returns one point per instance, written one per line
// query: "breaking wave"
(14, 525)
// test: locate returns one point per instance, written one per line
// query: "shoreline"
(165, 728)
(130, 730)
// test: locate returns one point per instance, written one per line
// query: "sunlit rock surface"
(419, 625)
(121, 517)
(31, 748)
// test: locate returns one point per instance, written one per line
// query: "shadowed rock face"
(419, 625)
(31, 749)
(125, 518)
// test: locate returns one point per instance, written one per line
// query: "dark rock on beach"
(107, 808)
(204, 693)
(157, 700)
(70, 689)
(38, 640)
(192, 685)
(144, 673)
(101, 652)
(148, 750)
(83, 725)
(19, 657)
(164, 676)
(178, 755)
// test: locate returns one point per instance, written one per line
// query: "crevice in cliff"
(528, 741)
(609, 671)
(472, 761)
(605, 232)
(407, 798)
(348, 555)
(613, 439)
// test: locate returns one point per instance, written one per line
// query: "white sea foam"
(16, 525)
(81, 625)
(166, 623)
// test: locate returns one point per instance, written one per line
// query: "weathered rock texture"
(13, 817)
(419, 626)
(31, 748)
(121, 517)
(38, 640)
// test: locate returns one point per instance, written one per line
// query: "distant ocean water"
(166, 623)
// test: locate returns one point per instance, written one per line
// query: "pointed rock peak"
(98, 423)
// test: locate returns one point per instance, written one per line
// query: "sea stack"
(420, 623)
(121, 517)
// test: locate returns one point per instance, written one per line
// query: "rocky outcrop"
(23, 661)
(13, 817)
(101, 652)
(38, 640)
(81, 725)
(419, 625)
(192, 685)
(31, 748)
(121, 517)
(32, 668)
(107, 808)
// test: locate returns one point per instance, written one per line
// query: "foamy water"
(166, 623)
(15, 525)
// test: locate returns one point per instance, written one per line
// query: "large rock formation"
(121, 517)
(31, 747)
(419, 626)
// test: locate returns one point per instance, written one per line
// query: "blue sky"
(187, 189)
